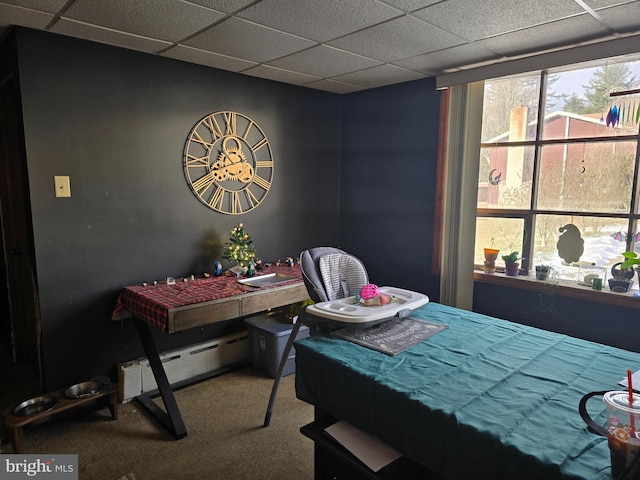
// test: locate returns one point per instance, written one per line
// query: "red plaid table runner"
(152, 303)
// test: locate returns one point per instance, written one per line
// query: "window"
(561, 148)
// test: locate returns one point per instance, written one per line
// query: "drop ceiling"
(339, 46)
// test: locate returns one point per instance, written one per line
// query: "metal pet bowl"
(35, 405)
(84, 390)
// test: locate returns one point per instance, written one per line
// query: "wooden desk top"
(203, 301)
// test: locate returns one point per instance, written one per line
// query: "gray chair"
(329, 274)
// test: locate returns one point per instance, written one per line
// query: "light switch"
(63, 186)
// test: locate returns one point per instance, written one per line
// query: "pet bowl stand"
(13, 423)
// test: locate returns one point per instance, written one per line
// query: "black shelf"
(334, 462)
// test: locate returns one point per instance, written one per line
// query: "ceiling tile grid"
(320, 20)
(51, 6)
(379, 76)
(546, 36)
(333, 45)
(280, 74)
(16, 15)
(324, 61)
(236, 37)
(622, 18)
(168, 20)
(227, 6)
(209, 59)
(74, 28)
(495, 17)
(450, 58)
(334, 86)
(405, 35)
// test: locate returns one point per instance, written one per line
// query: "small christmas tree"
(239, 248)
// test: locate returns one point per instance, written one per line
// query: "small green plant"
(511, 258)
(631, 259)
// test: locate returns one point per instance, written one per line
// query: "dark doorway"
(19, 316)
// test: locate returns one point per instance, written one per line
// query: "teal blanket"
(485, 398)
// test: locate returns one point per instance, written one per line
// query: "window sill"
(565, 288)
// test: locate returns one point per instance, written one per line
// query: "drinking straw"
(630, 388)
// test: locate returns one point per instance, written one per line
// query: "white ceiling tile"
(434, 62)
(169, 20)
(201, 57)
(324, 61)
(280, 75)
(495, 17)
(379, 76)
(334, 87)
(247, 40)
(12, 15)
(411, 5)
(106, 35)
(623, 18)
(398, 38)
(319, 20)
(595, 4)
(576, 29)
(51, 6)
(280, 39)
(227, 6)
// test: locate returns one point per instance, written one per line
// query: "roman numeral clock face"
(228, 163)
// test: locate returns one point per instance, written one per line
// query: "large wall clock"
(228, 162)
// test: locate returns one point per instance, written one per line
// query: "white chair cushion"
(343, 275)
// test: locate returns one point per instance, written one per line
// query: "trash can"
(268, 335)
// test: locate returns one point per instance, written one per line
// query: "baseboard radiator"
(183, 365)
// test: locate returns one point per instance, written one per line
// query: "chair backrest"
(330, 273)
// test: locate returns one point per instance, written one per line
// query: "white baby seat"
(333, 278)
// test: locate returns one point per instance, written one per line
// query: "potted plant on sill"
(631, 259)
(623, 272)
(490, 257)
(542, 272)
(511, 264)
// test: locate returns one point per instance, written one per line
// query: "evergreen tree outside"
(603, 81)
(574, 104)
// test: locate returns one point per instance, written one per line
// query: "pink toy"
(369, 291)
(370, 295)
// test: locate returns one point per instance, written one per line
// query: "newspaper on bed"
(393, 336)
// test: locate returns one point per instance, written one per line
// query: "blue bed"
(484, 398)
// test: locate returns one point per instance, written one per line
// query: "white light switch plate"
(62, 185)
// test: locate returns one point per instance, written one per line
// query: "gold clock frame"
(228, 162)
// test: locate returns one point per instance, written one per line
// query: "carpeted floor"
(225, 438)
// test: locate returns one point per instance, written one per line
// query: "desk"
(485, 398)
(196, 303)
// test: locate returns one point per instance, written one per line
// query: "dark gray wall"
(116, 122)
(389, 160)
(598, 322)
